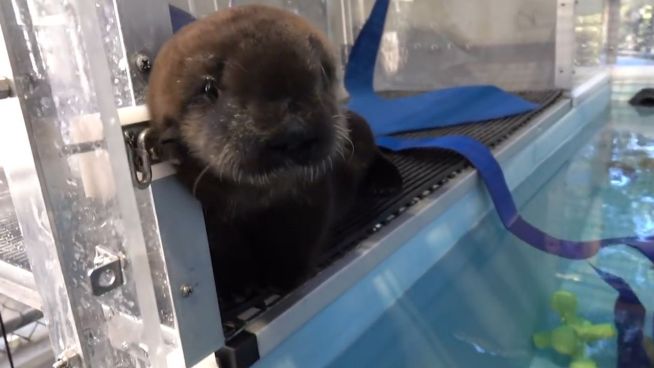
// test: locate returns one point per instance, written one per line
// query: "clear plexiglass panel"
(591, 21)
(429, 44)
(635, 43)
(441, 43)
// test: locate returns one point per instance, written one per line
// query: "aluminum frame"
(86, 331)
(565, 44)
(30, 208)
(613, 31)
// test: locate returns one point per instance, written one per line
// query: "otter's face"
(262, 111)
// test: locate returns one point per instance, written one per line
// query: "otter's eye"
(211, 88)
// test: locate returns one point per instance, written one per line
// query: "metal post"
(565, 44)
(613, 31)
(172, 221)
(77, 208)
(30, 207)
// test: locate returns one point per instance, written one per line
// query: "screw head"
(143, 63)
(186, 290)
(5, 88)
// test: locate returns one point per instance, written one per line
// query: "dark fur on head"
(252, 93)
(248, 96)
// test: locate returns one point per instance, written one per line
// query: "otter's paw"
(382, 177)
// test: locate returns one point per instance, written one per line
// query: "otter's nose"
(296, 142)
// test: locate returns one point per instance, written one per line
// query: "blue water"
(481, 303)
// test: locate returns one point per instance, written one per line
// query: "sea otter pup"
(249, 97)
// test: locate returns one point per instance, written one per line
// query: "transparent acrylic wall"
(440, 43)
(69, 180)
(591, 27)
(634, 41)
(430, 44)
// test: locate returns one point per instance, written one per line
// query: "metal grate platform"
(423, 172)
(12, 250)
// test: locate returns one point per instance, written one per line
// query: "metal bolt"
(5, 88)
(67, 359)
(186, 290)
(143, 63)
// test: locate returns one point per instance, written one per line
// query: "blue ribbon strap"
(451, 106)
(493, 177)
(179, 18)
(629, 317)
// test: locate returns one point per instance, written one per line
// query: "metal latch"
(138, 154)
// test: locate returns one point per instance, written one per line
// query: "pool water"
(481, 303)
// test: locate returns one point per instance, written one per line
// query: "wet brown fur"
(267, 218)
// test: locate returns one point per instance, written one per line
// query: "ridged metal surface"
(11, 239)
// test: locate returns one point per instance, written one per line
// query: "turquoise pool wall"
(336, 329)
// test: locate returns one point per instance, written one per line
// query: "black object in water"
(643, 101)
(644, 98)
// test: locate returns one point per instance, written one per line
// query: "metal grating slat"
(421, 170)
(11, 238)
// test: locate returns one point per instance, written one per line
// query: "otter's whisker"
(347, 139)
(341, 152)
(199, 177)
(232, 62)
